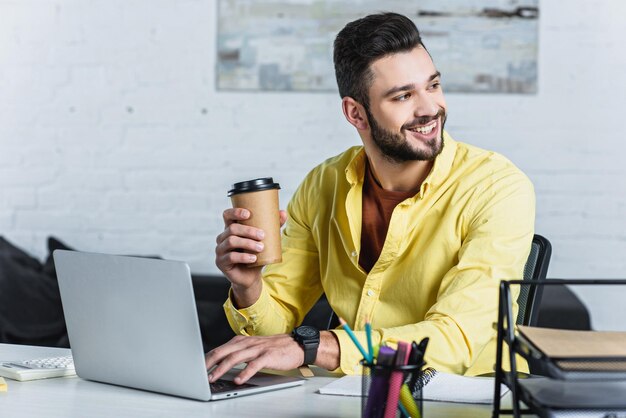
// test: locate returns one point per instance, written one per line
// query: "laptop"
(133, 322)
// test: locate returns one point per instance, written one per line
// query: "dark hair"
(365, 40)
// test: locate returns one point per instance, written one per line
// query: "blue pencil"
(368, 332)
(356, 342)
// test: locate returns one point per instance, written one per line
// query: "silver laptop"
(133, 322)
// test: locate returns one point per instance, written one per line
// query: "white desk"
(75, 397)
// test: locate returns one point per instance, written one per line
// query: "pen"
(395, 381)
(408, 403)
(375, 407)
(356, 342)
(422, 345)
(416, 358)
(375, 353)
(415, 353)
(403, 412)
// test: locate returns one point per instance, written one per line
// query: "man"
(412, 231)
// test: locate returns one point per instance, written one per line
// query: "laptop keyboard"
(221, 385)
(64, 366)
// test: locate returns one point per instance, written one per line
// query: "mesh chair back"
(536, 269)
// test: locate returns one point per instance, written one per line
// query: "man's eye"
(435, 86)
(403, 97)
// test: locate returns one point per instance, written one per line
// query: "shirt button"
(354, 254)
(370, 292)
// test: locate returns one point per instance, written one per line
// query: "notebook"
(438, 386)
(133, 322)
(578, 354)
(564, 344)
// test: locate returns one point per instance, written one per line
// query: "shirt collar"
(355, 171)
(442, 165)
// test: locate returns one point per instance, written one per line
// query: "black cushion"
(211, 291)
(53, 244)
(561, 308)
(18, 256)
(30, 304)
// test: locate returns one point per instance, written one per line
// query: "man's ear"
(354, 113)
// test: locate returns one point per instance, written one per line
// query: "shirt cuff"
(350, 357)
(245, 321)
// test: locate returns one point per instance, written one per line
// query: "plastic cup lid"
(256, 185)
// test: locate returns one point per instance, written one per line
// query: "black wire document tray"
(544, 392)
(582, 370)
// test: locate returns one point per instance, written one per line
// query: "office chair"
(536, 269)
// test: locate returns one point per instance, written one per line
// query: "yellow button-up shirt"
(447, 248)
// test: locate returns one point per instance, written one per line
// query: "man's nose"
(426, 106)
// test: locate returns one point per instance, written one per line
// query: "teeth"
(425, 129)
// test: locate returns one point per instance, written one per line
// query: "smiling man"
(412, 230)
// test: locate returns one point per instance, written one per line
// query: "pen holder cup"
(401, 385)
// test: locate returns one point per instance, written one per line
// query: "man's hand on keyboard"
(278, 352)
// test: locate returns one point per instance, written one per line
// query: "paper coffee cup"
(260, 197)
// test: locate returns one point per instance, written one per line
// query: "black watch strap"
(310, 352)
(309, 338)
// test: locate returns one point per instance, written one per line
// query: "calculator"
(40, 368)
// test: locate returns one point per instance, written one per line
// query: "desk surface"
(75, 397)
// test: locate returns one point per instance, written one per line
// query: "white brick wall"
(113, 137)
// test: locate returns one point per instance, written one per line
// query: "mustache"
(423, 120)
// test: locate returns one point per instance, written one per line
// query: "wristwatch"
(309, 338)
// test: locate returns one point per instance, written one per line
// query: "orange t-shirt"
(378, 206)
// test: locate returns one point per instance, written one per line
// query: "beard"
(396, 147)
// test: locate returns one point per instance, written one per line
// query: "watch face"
(307, 331)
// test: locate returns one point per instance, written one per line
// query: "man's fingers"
(230, 252)
(235, 214)
(240, 230)
(228, 261)
(217, 354)
(233, 359)
(237, 350)
(250, 370)
(277, 352)
(234, 242)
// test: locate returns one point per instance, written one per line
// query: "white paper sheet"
(442, 387)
